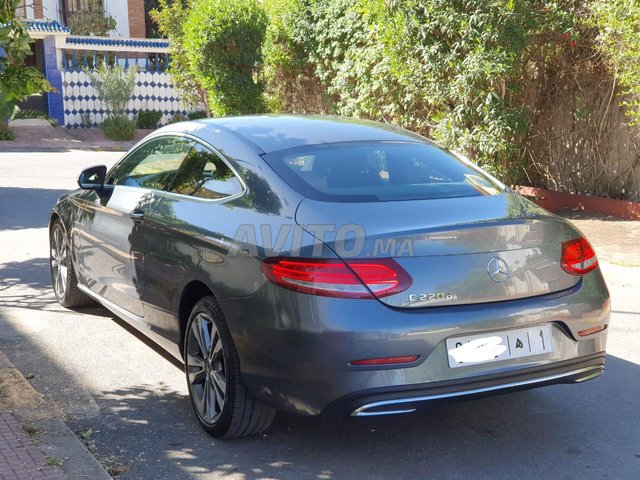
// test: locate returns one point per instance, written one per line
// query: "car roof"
(279, 132)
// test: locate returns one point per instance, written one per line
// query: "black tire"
(63, 276)
(232, 412)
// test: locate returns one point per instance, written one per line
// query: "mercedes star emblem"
(498, 270)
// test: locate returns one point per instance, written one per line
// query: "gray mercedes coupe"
(322, 265)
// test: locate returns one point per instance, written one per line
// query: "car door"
(115, 236)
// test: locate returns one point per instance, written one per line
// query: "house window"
(71, 9)
(86, 17)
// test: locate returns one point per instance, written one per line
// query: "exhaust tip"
(364, 411)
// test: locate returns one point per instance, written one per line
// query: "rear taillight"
(385, 360)
(578, 256)
(337, 278)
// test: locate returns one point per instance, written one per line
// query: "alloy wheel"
(206, 371)
(59, 261)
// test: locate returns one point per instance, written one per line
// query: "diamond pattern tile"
(153, 91)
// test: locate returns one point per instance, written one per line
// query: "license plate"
(504, 345)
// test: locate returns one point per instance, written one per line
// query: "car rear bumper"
(296, 350)
(387, 401)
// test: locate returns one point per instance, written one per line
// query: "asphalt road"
(101, 376)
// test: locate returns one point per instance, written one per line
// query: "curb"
(57, 440)
(556, 201)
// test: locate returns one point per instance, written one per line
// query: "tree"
(618, 23)
(17, 81)
(169, 18)
(223, 42)
(290, 77)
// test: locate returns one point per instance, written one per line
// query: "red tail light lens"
(578, 256)
(386, 360)
(591, 331)
(337, 278)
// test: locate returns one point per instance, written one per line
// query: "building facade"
(72, 37)
(130, 15)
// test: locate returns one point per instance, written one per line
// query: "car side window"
(204, 174)
(152, 165)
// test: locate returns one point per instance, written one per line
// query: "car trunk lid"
(456, 251)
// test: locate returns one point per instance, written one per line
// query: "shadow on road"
(26, 207)
(32, 274)
(520, 435)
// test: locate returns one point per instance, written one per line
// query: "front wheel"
(63, 276)
(220, 400)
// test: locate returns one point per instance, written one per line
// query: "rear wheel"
(63, 276)
(222, 404)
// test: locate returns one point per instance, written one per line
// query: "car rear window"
(360, 172)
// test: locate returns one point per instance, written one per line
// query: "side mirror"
(92, 178)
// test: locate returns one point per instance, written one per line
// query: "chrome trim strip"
(361, 411)
(595, 374)
(109, 305)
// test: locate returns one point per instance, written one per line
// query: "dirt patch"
(615, 241)
(17, 395)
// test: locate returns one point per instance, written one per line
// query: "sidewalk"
(35, 444)
(48, 138)
(19, 456)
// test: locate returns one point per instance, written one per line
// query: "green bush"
(291, 81)
(91, 24)
(453, 70)
(6, 133)
(148, 118)
(178, 117)
(94, 21)
(197, 115)
(222, 42)
(169, 18)
(17, 81)
(119, 127)
(6, 111)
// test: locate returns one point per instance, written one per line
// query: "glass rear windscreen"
(379, 172)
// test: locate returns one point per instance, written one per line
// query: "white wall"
(50, 10)
(118, 9)
(29, 11)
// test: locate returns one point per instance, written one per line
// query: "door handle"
(136, 215)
